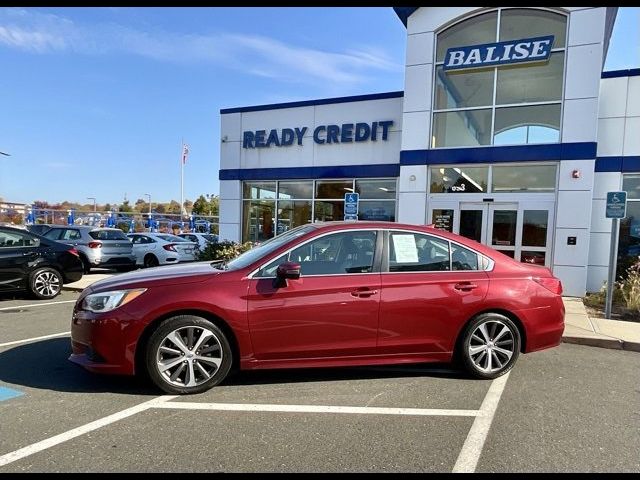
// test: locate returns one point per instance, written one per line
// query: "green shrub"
(630, 289)
(223, 250)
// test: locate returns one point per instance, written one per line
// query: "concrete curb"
(610, 343)
(73, 289)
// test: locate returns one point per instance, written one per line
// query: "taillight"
(73, 251)
(550, 283)
(95, 244)
(171, 247)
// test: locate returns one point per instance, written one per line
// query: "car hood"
(165, 275)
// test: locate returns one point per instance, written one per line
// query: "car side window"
(463, 258)
(334, 254)
(53, 234)
(415, 252)
(136, 239)
(71, 234)
(16, 239)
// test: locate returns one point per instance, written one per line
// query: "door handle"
(29, 254)
(363, 293)
(465, 286)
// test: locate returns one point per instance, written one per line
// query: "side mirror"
(289, 270)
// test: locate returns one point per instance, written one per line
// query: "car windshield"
(108, 235)
(250, 256)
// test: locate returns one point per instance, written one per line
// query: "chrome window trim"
(376, 230)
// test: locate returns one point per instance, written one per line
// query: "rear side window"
(463, 258)
(108, 235)
(415, 252)
(53, 234)
(70, 234)
(16, 239)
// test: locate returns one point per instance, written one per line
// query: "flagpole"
(182, 180)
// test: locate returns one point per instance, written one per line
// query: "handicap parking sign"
(351, 206)
(616, 205)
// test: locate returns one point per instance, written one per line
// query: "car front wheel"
(490, 346)
(45, 283)
(187, 354)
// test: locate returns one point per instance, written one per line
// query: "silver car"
(97, 247)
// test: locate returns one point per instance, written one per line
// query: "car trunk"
(113, 242)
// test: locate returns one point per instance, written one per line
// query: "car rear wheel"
(45, 283)
(150, 261)
(490, 346)
(86, 266)
(187, 354)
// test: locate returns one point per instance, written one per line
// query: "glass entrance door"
(521, 230)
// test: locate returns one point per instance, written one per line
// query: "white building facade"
(507, 132)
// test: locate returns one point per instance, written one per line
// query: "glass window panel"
(537, 258)
(631, 185)
(16, 239)
(534, 228)
(333, 188)
(629, 240)
(466, 88)
(473, 31)
(546, 119)
(258, 190)
(339, 253)
(504, 228)
(376, 189)
(413, 252)
(531, 83)
(442, 219)
(459, 179)
(292, 213)
(326, 211)
(465, 128)
(258, 218)
(293, 190)
(520, 23)
(463, 258)
(471, 224)
(524, 178)
(377, 210)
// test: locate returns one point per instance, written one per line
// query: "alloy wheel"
(491, 346)
(189, 356)
(46, 284)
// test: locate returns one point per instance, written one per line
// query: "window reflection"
(459, 179)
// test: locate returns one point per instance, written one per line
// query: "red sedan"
(320, 295)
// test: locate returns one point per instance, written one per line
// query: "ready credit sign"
(502, 53)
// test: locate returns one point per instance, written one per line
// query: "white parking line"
(472, 448)
(264, 407)
(76, 432)
(27, 340)
(36, 305)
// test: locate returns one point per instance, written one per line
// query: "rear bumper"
(544, 326)
(116, 260)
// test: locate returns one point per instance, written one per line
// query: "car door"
(17, 251)
(426, 297)
(331, 310)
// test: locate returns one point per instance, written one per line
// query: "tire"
(85, 264)
(497, 357)
(45, 283)
(150, 260)
(196, 372)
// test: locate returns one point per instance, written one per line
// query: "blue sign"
(502, 53)
(616, 204)
(351, 206)
(322, 134)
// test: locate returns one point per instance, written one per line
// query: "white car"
(153, 249)
(202, 239)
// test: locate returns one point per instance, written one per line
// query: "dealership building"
(507, 132)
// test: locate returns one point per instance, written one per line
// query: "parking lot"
(571, 408)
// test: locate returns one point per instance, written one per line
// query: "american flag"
(185, 153)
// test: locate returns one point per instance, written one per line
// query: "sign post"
(616, 209)
(351, 206)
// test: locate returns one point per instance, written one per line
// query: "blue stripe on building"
(341, 171)
(618, 164)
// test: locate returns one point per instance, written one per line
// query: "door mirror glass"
(288, 270)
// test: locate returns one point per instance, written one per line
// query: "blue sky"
(95, 101)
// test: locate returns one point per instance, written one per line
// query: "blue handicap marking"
(7, 393)
(351, 197)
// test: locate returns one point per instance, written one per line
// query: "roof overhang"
(404, 13)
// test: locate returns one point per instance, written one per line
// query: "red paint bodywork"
(316, 321)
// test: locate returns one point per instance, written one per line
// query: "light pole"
(94, 203)
(148, 195)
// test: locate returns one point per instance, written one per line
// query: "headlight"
(107, 301)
